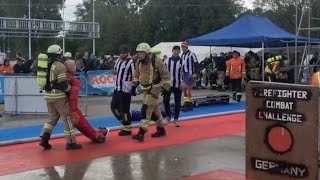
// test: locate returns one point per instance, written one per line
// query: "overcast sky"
(71, 7)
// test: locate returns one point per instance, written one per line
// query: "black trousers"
(177, 101)
(227, 82)
(120, 107)
(236, 85)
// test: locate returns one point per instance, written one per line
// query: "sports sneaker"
(176, 123)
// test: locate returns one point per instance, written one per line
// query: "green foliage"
(154, 21)
(282, 12)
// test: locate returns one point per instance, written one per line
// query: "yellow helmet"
(144, 47)
(54, 49)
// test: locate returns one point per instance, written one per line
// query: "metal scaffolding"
(302, 70)
(42, 28)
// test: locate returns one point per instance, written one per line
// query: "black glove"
(164, 91)
(133, 91)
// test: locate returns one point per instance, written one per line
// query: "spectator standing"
(6, 68)
(92, 64)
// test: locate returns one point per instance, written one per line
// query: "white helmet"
(54, 49)
(67, 55)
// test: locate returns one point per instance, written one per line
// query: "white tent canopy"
(201, 51)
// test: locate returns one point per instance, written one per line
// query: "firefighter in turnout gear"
(272, 68)
(254, 66)
(153, 77)
(56, 89)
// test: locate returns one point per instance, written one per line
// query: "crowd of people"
(84, 63)
(22, 66)
(277, 68)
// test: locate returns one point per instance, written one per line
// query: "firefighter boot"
(190, 106)
(221, 88)
(185, 107)
(234, 96)
(44, 142)
(124, 133)
(160, 132)
(239, 97)
(73, 146)
(140, 136)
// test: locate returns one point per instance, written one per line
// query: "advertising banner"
(100, 82)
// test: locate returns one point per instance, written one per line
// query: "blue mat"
(9, 134)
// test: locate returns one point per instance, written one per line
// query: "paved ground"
(165, 163)
(97, 106)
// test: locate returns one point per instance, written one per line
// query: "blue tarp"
(249, 31)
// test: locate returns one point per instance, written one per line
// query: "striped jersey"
(174, 65)
(189, 59)
(124, 69)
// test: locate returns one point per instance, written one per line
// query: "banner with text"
(100, 82)
(281, 131)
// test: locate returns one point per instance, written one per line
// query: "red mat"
(29, 156)
(217, 175)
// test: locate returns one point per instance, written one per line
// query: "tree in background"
(282, 12)
(154, 21)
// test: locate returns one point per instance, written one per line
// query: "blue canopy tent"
(252, 32)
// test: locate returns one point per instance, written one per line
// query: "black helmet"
(124, 48)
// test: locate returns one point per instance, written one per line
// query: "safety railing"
(43, 24)
(22, 95)
(42, 28)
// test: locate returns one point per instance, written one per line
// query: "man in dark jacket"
(221, 71)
